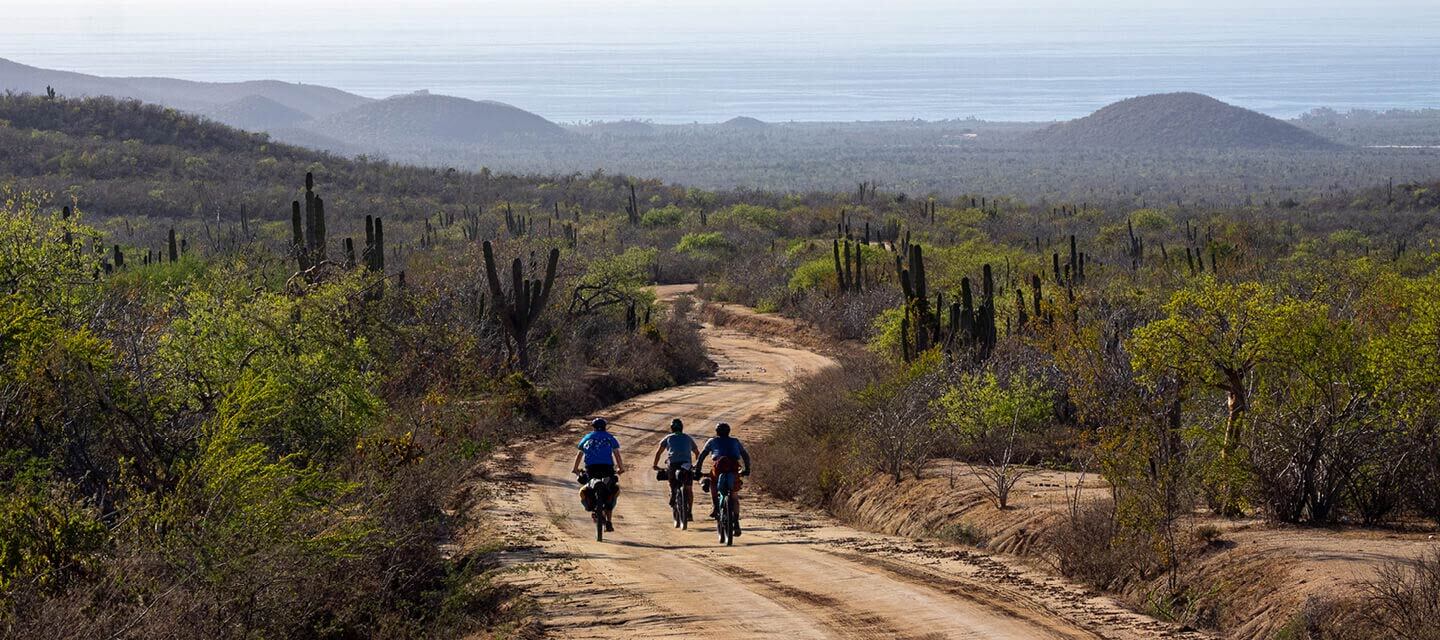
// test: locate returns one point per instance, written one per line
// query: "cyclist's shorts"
(680, 472)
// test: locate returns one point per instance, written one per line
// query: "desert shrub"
(1404, 600)
(814, 448)
(1091, 546)
(896, 426)
(963, 533)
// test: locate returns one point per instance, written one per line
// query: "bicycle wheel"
(677, 507)
(599, 517)
(732, 518)
(722, 520)
(684, 506)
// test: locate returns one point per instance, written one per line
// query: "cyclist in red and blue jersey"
(728, 453)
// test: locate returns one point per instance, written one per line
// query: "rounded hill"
(424, 117)
(1177, 121)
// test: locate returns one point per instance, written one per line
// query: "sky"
(679, 60)
(663, 20)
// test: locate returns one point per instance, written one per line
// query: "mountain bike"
(600, 495)
(680, 498)
(728, 514)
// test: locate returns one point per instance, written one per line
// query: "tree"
(1316, 426)
(994, 418)
(1213, 336)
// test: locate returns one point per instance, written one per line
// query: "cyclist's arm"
(745, 455)
(700, 461)
(575, 468)
(658, 450)
(619, 464)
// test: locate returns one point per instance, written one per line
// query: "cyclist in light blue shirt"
(678, 469)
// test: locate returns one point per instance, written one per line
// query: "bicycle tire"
(677, 506)
(722, 520)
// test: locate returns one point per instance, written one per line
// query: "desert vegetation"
(246, 401)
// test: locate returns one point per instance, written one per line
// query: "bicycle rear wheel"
(599, 517)
(722, 521)
(677, 507)
(732, 518)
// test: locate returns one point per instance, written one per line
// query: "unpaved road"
(792, 574)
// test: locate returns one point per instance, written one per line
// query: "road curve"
(792, 574)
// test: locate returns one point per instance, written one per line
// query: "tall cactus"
(1136, 248)
(632, 207)
(522, 305)
(174, 247)
(913, 284)
(849, 266)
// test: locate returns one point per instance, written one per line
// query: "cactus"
(119, 257)
(349, 253)
(1136, 249)
(632, 206)
(174, 248)
(377, 247)
(913, 284)
(521, 307)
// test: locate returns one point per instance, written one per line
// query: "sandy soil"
(792, 574)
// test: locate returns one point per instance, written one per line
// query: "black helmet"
(599, 424)
(722, 429)
(676, 425)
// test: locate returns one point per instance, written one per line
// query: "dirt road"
(792, 574)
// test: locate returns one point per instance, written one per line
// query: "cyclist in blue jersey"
(728, 453)
(600, 452)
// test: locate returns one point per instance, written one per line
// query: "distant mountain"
(745, 123)
(196, 97)
(426, 119)
(1176, 121)
(256, 113)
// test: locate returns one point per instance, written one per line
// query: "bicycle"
(680, 496)
(727, 517)
(600, 495)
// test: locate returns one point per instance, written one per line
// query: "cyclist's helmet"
(722, 429)
(676, 425)
(599, 424)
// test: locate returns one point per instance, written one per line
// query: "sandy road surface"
(792, 574)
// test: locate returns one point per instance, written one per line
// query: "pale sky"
(649, 20)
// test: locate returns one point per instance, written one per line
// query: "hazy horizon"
(803, 60)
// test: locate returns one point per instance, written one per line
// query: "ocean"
(956, 70)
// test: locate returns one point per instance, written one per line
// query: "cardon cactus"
(521, 306)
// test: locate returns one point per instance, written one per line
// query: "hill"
(1176, 121)
(256, 113)
(127, 158)
(424, 118)
(197, 97)
(745, 123)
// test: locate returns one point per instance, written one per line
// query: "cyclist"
(728, 453)
(600, 452)
(678, 469)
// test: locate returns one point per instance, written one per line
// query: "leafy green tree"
(993, 419)
(1213, 336)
